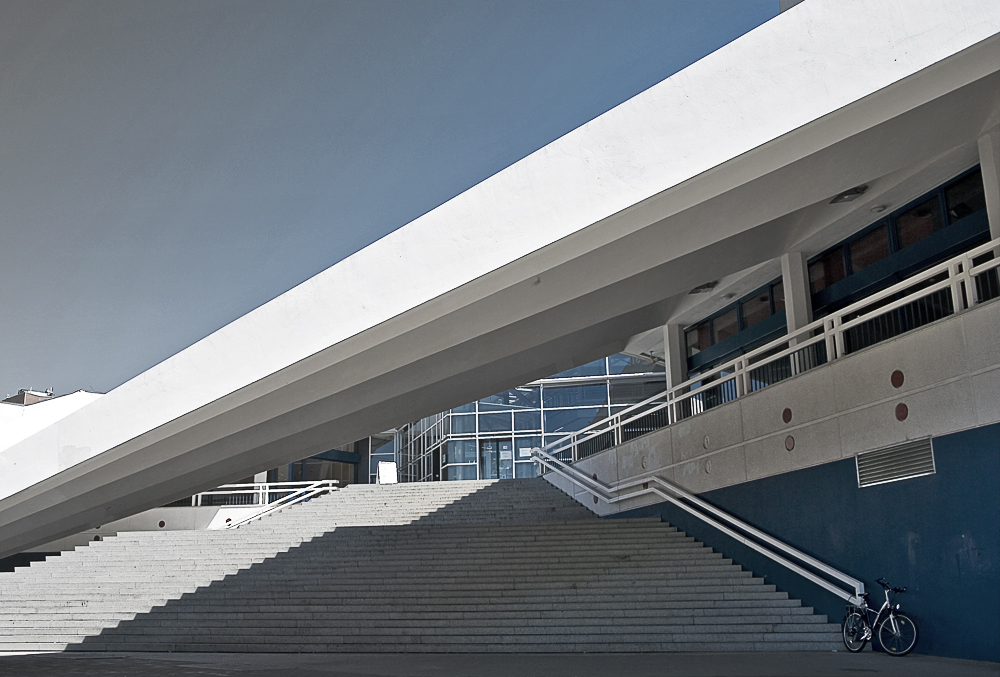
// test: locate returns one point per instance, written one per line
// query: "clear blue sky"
(166, 167)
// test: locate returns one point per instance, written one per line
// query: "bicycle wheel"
(897, 634)
(855, 632)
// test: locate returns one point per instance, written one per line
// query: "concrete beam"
(989, 161)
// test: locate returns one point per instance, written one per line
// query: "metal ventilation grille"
(901, 462)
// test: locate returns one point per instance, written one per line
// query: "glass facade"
(493, 438)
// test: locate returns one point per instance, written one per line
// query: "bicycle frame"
(886, 608)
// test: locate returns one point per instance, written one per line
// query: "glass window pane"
(517, 398)
(756, 309)
(724, 326)
(827, 270)
(965, 197)
(571, 420)
(525, 470)
(460, 451)
(574, 396)
(527, 420)
(491, 423)
(698, 339)
(778, 296)
(465, 409)
(459, 472)
(595, 368)
(463, 424)
(626, 364)
(633, 393)
(524, 445)
(868, 249)
(916, 224)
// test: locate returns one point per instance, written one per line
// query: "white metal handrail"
(959, 275)
(312, 490)
(260, 495)
(717, 518)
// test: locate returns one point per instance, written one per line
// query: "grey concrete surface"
(839, 664)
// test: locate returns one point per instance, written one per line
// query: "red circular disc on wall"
(902, 411)
(896, 379)
(162, 524)
(786, 415)
(789, 443)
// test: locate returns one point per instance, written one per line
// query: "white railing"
(754, 538)
(945, 289)
(259, 499)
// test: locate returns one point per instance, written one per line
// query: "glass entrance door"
(496, 458)
(489, 459)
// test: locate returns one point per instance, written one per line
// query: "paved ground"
(840, 664)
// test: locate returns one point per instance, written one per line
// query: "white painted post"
(989, 161)
(674, 354)
(798, 300)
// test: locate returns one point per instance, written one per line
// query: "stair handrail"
(677, 496)
(304, 494)
(959, 271)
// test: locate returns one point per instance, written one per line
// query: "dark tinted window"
(916, 224)
(571, 420)
(778, 296)
(870, 248)
(698, 339)
(517, 398)
(724, 326)
(633, 393)
(965, 197)
(575, 396)
(756, 309)
(827, 270)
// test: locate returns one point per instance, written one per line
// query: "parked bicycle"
(897, 633)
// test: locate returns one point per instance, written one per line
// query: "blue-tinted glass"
(525, 470)
(517, 398)
(574, 396)
(595, 368)
(460, 472)
(489, 423)
(461, 451)
(523, 447)
(463, 424)
(465, 409)
(527, 420)
(571, 420)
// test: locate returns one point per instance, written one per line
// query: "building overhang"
(553, 262)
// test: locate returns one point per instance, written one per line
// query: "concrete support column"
(798, 299)
(989, 160)
(674, 354)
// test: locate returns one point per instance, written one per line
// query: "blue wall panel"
(939, 535)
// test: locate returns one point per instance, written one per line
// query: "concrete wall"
(951, 382)
(938, 535)
(18, 422)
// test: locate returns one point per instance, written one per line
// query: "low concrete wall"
(951, 382)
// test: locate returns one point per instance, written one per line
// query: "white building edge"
(724, 171)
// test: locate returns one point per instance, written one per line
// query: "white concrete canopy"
(554, 261)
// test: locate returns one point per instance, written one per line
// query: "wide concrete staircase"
(512, 566)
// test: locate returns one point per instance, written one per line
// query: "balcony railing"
(945, 289)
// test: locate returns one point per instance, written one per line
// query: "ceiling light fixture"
(702, 288)
(848, 195)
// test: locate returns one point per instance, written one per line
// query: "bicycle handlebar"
(886, 586)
